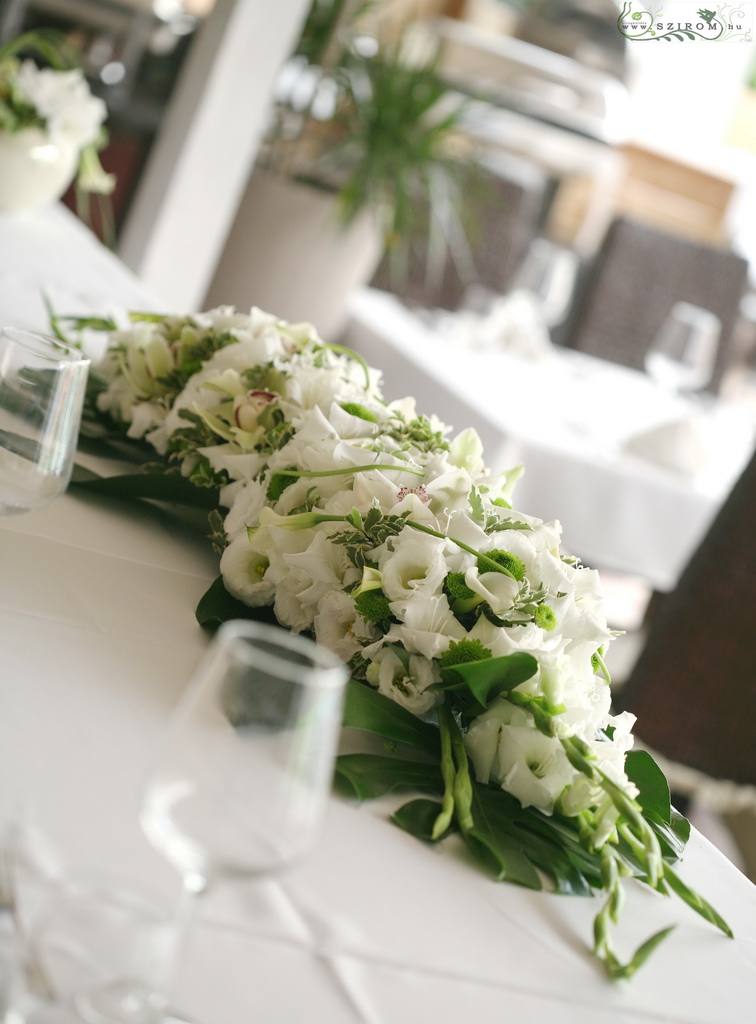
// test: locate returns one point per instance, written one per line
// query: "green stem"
(313, 473)
(604, 670)
(455, 772)
(462, 782)
(444, 819)
(343, 350)
(495, 567)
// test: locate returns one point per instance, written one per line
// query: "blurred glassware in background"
(682, 356)
(97, 943)
(548, 273)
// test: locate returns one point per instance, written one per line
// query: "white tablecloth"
(567, 418)
(97, 641)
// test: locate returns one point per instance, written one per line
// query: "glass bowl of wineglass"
(242, 780)
(682, 356)
(42, 386)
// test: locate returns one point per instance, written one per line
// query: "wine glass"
(682, 355)
(242, 782)
(42, 385)
(547, 273)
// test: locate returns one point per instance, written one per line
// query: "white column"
(201, 160)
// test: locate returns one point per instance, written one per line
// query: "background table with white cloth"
(635, 475)
(97, 642)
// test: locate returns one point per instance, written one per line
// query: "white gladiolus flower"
(427, 624)
(505, 746)
(245, 509)
(466, 451)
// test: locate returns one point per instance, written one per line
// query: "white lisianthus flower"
(350, 425)
(339, 627)
(307, 577)
(243, 570)
(497, 589)
(405, 679)
(417, 561)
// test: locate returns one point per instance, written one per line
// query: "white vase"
(287, 254)
(33, 170)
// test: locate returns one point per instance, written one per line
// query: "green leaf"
(672, 844)
(366, 709)
(418, 818)
(680, 826)
(369, 776)
(489, 677)
(617, 970)
(653, 796)
(507, 829)
(494, 847)
(108, 444)
(507, 524)
(217, 606)
(169, 487)
(694, 901)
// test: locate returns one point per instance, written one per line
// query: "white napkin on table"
(677, 445)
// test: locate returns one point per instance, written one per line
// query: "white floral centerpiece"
(51, 126)
(476, 646)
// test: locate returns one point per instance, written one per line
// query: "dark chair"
(639, 273)
(693, 687)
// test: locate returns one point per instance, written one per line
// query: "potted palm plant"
(363, 152)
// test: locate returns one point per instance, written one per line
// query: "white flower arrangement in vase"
(51, 126)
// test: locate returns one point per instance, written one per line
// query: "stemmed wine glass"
(682, 356)
(242, 782)
(42, 386)
(547, 273)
